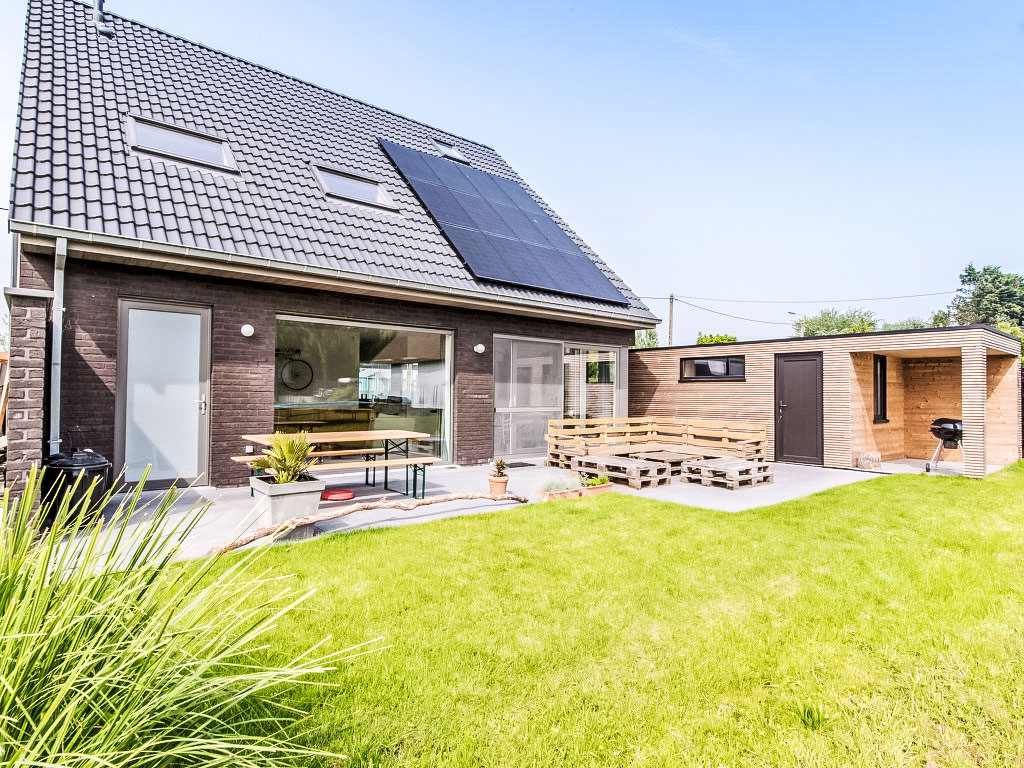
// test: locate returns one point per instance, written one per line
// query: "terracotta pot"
(594, 490)
(498, 483)
(568, 493)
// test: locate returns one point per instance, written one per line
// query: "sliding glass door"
(590, 380)
(528, 392)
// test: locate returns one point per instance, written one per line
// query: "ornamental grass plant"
(112, 654)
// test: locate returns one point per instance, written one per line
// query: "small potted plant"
(498, 479)
(288, 490)
(595, 484)
(567, 487)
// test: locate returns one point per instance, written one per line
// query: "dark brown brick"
(242, 377)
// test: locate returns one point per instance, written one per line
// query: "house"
(206, 248)
(828, 400)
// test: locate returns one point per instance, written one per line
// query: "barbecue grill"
(949, 433)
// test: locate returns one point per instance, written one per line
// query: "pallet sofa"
(648, 451)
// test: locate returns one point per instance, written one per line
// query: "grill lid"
(948, 430)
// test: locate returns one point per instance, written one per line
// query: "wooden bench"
(635, 473)
(728, 473)
(249, 458)
(418, 464)
(570, 438)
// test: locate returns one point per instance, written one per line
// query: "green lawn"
(875, 624)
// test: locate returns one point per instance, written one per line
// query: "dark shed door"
(798, 414)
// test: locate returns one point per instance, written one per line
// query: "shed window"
(881, 393)
(732, 368)
(351, 187)
(176, 143)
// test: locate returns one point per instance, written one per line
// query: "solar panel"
(498, 229)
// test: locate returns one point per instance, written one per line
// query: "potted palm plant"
(288, 490)
(595, 484)
(498, 479)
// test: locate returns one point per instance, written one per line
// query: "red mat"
(336, 494)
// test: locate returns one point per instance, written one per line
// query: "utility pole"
(671, 307)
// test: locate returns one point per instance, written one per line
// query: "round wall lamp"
(479, 349)
(247, 330)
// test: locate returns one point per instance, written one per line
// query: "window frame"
(880, 389)
(229, 165)
(683, 378)
(450, 151)
(385, 204)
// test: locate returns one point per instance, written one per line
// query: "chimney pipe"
(101, 24)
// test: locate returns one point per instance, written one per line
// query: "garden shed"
(831, 400)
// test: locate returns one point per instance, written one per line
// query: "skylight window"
(178, 144)
(355, 188)
(450, 151)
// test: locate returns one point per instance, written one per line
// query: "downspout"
(60, 257)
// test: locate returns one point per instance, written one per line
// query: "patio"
(232, 512)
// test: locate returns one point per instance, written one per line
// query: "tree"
(646, 339)
(990, 296)
(938, 319)
(905, 325)
(1015, 331)
(714, 338)
(829, 322)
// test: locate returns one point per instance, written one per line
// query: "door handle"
(202, 404)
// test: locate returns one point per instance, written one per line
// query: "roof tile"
(79, 88)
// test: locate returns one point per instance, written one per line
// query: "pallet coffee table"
(672, 459)
(727, 473)
(635, 473)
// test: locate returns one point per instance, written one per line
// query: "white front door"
(163, 392)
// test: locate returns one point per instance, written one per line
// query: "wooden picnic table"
(353, 436)
(396, 440)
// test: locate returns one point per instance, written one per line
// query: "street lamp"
(799, 323)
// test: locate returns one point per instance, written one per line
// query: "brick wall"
(27, 391)
(242, 376)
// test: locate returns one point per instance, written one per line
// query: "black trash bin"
(62, 471)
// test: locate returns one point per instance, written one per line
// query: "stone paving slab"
(232, 509)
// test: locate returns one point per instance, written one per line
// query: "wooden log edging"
(333, 514)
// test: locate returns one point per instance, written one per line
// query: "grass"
(879, 623)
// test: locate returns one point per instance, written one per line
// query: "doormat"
(518, 464)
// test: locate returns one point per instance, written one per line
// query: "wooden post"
(671, 323)
(974, 394)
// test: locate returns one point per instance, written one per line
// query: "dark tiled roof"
(74, 169)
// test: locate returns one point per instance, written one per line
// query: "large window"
(332, 376)
(731, 368)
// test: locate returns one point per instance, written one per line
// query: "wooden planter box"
(568, 493)
(594, 490)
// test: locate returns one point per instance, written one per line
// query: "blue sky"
(783, 151)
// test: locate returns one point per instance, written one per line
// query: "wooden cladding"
(924, 380)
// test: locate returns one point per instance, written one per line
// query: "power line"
(726, 314)
(802, 301)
